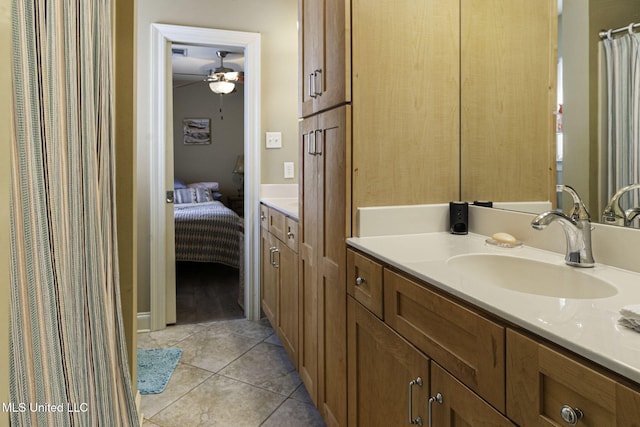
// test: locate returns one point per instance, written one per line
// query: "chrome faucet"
(614, 214)
(576, 226)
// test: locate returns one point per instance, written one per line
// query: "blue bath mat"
(155, 367)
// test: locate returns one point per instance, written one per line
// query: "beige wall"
(5, 186)
(125, 119)
(215, 161)
(276, 21)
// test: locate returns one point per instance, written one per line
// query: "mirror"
(583, 96)
(581, 159)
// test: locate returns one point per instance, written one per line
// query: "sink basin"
(531, 276)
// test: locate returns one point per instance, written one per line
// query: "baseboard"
(144, 321)
(139, 408)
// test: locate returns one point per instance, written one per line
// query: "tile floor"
(231, 373)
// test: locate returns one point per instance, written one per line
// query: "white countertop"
(286, 205)
(588, 327)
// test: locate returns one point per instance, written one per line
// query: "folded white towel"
(630, 317)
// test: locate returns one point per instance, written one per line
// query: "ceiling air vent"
(179, 51)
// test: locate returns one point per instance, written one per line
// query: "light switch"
(274, 139)
(288, 169)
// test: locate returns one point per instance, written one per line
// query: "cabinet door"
(324, 52)
(465, 343)
(541, 381)
(269, 277)
(406, 121)
(508, 95)
(382, 366)
(332, 257)
(459, 405)
(308, 246)
(287, 327)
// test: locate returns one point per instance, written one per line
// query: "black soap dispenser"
(458, 217)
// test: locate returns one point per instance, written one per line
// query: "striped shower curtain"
(68, 353)
(622, 61)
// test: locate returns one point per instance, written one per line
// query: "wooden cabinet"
(268, 276)
(385, 371)
(324, 227)
(279, 293)
(458, 405)
(382, 355)
(323, 52)
(543, 381)
(465, 343)
(406, 103)
(508, 95)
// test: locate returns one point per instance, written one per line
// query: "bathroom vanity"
(432, 338)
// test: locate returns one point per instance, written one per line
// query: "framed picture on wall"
(196, 131)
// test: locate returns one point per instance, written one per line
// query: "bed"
(205, 229)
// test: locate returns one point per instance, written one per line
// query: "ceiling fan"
(223, 80)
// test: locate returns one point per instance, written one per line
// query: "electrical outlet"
(288, 169)
(274, 139)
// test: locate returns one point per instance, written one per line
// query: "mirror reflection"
(598, 154)
(598, 109)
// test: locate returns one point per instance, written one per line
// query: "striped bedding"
(207, 232)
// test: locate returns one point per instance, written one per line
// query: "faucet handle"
(579, 210)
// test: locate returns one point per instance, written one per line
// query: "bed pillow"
(184, 195)
(178, 183)
(203, 195)
(213, 186)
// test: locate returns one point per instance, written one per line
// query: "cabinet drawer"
(364, 282)
(264, 216)
(468, 345)
(277, 224)
(541, 381)
(292, 234)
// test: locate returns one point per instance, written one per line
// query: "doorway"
(162, 255)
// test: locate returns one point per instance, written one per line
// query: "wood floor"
(205, 292)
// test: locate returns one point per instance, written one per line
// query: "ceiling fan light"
(222, 87)
(231, 76)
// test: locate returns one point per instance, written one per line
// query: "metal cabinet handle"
(272, 250)
(317, 73)
(276, 264)
(318, 142)
(290, 235)
(418, 421)
(437, 398)
(312, 85)
(571, 415)
(311, 143)
(361, 281)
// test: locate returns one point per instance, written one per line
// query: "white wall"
(215, 161)
(276, 21)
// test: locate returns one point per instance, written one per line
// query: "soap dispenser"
(458, 217)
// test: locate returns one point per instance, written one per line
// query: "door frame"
(162, 36)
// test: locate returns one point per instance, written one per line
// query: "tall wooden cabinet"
(323, 51)
(406, 102)
(323, 215)
(387, 94)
